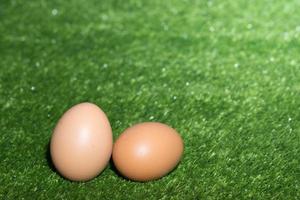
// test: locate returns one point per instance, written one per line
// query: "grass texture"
(225, 74)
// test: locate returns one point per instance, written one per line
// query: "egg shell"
(147, 151)
(81, 144)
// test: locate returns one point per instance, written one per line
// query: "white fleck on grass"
(293, 62)
(37, 64)
(236, 65)
(174, 97)
(187, 83)
(105, 65)
(151, 117)
(32, 88)
(54, 12)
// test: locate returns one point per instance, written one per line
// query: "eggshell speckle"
(81, 144)
(147, 151)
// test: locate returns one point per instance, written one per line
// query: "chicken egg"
(81, 143)
(147, 151)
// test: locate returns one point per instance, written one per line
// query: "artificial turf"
(225, 74)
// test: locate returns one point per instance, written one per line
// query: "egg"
(81, 143)
(147, 151)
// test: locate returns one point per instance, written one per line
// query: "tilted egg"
(81, 144)
(147, 151)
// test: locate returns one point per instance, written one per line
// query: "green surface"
(225, 74)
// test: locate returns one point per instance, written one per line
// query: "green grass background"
(225, 74)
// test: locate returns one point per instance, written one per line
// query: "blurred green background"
(225, 74)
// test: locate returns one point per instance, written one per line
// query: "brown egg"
(81, 144)
(147, 151)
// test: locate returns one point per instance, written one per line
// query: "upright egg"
(81, 143)
(147, 151)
